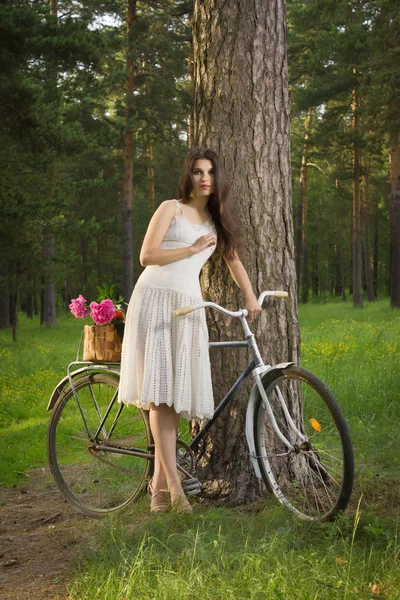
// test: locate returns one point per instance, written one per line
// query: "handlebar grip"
(281, 294)
(184, 310)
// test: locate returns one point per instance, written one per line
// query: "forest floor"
(41, 539)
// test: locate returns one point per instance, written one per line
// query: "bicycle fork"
(267, 373)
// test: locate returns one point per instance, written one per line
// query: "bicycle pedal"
(192, 487)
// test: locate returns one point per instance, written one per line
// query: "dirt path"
(41, 540)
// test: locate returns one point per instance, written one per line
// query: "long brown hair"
(220, 203)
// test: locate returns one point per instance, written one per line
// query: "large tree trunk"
(357, 258)
(241, 109)
(395, 222)
(127, 193)
(190, 117)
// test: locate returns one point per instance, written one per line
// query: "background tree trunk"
(376, 248)
(127, 193)
(395, 263)
(241, 109)
(357, 258)
(4, 298)
(304, 212)
(48, 308)
(395, 222)
(367, 258)
(150, 177)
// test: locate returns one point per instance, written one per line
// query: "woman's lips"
(205, 187)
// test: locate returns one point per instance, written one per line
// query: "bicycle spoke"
(97, 481)
(315, 478)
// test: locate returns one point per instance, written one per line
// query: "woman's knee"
(162, 408)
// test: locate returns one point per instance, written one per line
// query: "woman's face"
(202, 177)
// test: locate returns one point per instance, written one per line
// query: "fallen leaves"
(377, 589)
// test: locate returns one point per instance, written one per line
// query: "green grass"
(235, 553)
(357, 353)
(29, 371)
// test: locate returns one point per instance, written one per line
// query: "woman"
(165, 363)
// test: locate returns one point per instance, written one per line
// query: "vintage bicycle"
(101, 452)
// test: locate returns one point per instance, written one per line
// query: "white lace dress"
(165, 359)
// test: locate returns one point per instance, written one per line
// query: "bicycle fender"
(61, 385)
(270, 374)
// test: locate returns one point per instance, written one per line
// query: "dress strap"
(178, 208)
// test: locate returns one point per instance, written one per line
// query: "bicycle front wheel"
(314, 479)
(88, 461)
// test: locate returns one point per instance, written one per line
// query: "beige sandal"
(159, 499)
(180, 504)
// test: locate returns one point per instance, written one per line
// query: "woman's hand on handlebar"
(253, 308)
(204, 242)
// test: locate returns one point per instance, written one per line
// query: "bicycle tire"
(92, 480)
(315, 479)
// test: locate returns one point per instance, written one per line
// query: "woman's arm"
(241, 278)
(152, 254)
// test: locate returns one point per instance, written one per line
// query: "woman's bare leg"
(164, 422)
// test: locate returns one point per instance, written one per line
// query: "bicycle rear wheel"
(315, 478)
(93, 479)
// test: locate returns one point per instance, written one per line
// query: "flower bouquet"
(102, 342)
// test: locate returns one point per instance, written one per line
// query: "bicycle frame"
(262, 373)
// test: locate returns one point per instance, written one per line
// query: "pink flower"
(102, 313)
(78, 308)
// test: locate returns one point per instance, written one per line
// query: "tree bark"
(84, 260)
(299, 241)
(4, 299)
(127, 192)
(304, 212)
(395, 222)
(48, 293)
(315, 272)
(395, 262)
(48, 308)
(376, 249)
(367, 258)
(190, 117)
(14, 314)
(14, 274)
(150, 177)
(357, 259)
(241, 109)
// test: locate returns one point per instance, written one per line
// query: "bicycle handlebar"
(184, 310)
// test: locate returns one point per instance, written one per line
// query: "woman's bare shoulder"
(167, 207)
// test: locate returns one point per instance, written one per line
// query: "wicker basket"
(102, 343)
